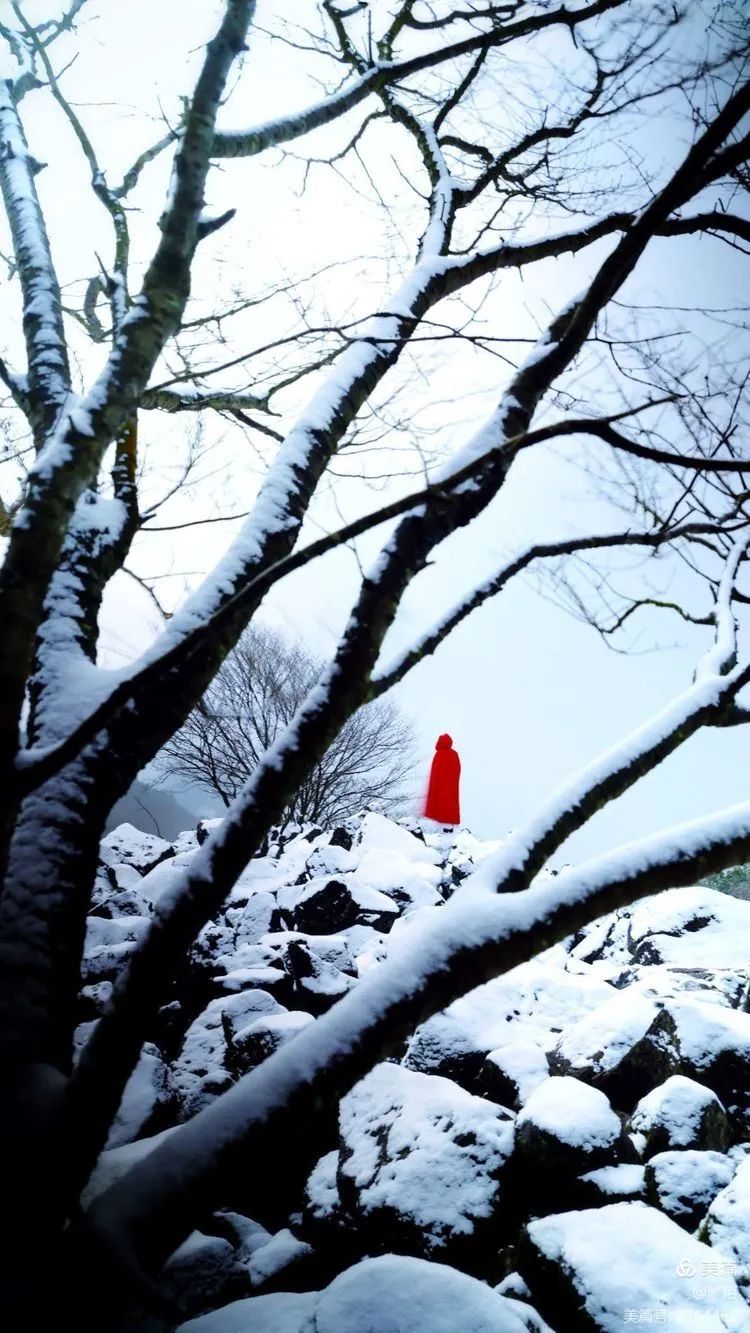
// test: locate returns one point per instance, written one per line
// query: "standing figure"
(442, 803)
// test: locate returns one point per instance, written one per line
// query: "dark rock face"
(335, 906)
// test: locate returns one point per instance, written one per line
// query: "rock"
(333, 949)
(421, 1165)
(127, 845)
(341, 837)
(680, 1113)
(92, 1000)
(727, 1227)
(598, 1268)
(692, 928)
(625, 1048)
(203, 1273)
(533, 1003)
(715, 1049)
(440, 1046)
(413, 1296)
(315, 984)
(683, 1183)
(205, 1050)
(510, 1074)
(332, 905)
(148, 1103)
(565, 1130)
(261, 1038)
(568, 1126)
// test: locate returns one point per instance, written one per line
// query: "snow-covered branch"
(384, 74)
(46, 350)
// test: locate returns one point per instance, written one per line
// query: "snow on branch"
(386, 73)
(48, 370)
(69, 461)
(386, 677)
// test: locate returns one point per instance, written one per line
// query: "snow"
(421, 1146)
(624, 1178)
(629, 1257)
(728, 1222)
(280, 1251)
(147, 1086)
(678, 1105)
(322, 1187)
(403, 1295)
(279, 1312)
(572, 1112)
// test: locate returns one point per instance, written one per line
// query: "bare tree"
(253, 698)
(559, 172)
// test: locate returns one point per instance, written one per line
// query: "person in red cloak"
(442, 793)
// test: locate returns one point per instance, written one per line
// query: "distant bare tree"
(250, 702)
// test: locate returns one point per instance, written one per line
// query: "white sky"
(528, 693)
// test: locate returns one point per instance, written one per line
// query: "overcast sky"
(528, 693)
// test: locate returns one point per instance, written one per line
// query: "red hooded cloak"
(442, 793)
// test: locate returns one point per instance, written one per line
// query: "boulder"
(260, 1038)
(148, 1103)
(625, 1048)
(683, 1183)
(595, 1270)
(727, 1228)
(333, 904)
(127, 845)
(205, 1052)
(511, 1073)
(421, 1166)
(680, 1113)
(204, 1273)
(387, 1294)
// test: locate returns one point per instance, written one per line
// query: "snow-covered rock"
(625, 1047)
(261, 1037)
(390, 1294)
(566, 1123)
(280, 1252)
(127, 845)
(727, 1226)
(146, 1102)
(510, 1074)
(680, 1113)
(532, 1003)
(203, 1273)
(602, 1268)
(683, 1183)
(421, 1162)
(334, 904)
(206, 1049)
